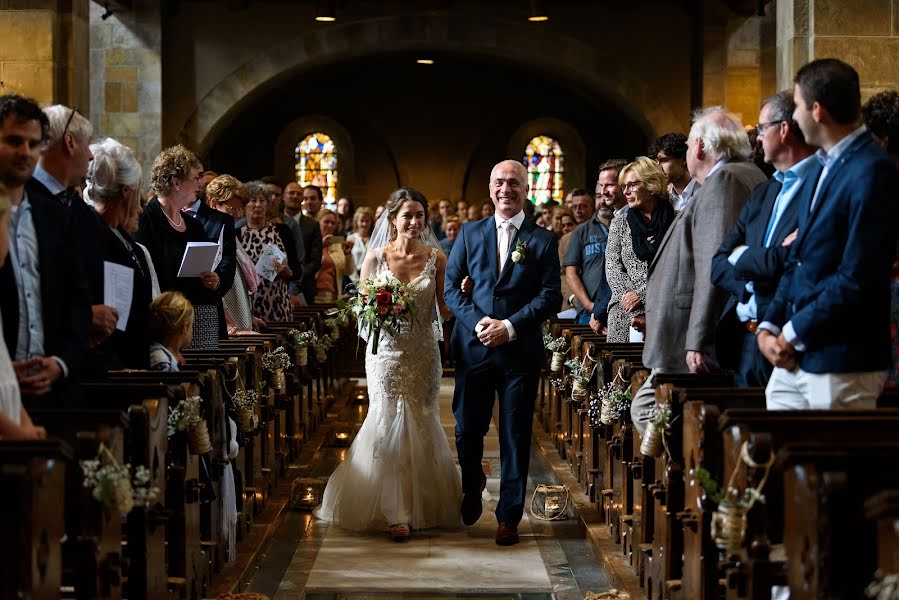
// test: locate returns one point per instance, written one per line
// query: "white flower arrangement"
(579, 372)
(554, 345)
(114, 486)
(324, 343)
(302, 338)
(245, 399)
(608, 404)
(520, 252)
(660, 416)
(186, 415)
(275, 361)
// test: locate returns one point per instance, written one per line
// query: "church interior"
(729, 500)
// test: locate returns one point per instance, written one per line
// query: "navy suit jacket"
(65, 299)
(759, 264)
(526, 293)
(836, 289)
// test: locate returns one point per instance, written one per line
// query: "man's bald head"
(509, 188)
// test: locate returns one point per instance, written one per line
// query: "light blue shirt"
(680, 201)
(23, 253)
(791, 181)
(721, 162)
(50, 182)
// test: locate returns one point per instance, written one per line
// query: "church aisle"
(308, 559)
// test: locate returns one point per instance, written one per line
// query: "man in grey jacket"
(682, 305)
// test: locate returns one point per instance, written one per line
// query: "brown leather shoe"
(471, 504)
(506, 534)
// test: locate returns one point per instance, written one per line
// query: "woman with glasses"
(165, 231)
(634, 239)
(272, 300)
(228, 195)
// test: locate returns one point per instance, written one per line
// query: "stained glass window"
(546, 164)
(317, 165)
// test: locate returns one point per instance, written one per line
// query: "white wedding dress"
(399, 468)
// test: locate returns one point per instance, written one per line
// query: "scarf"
(248, 269)
(646, 237)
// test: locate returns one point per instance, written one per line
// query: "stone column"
(863, 33)
(126, 77)
(44, 51)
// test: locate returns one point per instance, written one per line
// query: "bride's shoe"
(399, 532)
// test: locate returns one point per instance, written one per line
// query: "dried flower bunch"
(245, 399)
(302, 338)
(278, 360)
(660, 416)
(186, 415)
(114, 486)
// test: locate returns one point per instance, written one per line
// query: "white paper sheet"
(118, 289)
(265, 265)
(567, 314)
(198, 258)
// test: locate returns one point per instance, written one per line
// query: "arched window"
(546, 164)
(317, 165)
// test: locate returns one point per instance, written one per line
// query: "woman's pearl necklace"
(175, 225)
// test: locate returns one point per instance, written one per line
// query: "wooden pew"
(32, 480)
(831, 548)
(92, 551)
(751, 572)
(883, 510)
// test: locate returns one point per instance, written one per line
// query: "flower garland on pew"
(275, 363)
(187, 417)
(114, 486)
(302, 340)
(557, 346)
(729, 520)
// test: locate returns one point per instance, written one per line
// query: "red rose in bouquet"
(381, 304)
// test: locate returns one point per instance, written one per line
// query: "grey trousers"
(642, 402)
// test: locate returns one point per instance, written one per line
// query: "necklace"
(173, 224)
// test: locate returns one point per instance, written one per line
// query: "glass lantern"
(306, 493)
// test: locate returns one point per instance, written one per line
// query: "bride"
(399, 474)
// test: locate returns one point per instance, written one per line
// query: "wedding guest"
(379, 209)
(363, 224)
(113, 188)
(345, 214)
(487, 209)
(272, 300)
(15, 424)
(634, 238)
(165, 231)
(474, 213)
(228, 195)
(462, 210)
(130, 226)
(337, 260)
(171, 321)
(568, 224)
(555, 219)
(451, 228)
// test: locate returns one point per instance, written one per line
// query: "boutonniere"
(519, 254)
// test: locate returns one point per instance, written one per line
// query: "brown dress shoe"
(506, 534)
(471, 504)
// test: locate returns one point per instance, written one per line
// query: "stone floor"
(308, 559)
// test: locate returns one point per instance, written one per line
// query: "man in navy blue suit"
(498, 342)
(753, 254)
(827, 329)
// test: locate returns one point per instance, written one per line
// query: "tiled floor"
(308, 559)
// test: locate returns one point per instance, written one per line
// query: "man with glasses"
(670, 151)
(827, 330)
(43, 295)
(753, 255)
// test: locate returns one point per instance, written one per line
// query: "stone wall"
(126, 77)
(864, 33)
(44, 51)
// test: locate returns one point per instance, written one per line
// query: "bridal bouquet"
(381, 303)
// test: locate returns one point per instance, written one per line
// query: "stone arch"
(547, 51)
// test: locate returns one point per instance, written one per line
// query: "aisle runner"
(437, 561)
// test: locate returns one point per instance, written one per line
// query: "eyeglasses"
(762, 127)
(631, 185)
(68, 122)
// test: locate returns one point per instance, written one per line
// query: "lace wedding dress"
(399, 468)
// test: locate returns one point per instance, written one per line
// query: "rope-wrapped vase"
(245, 419)
(302, 356)
(605, 411)
(123, 496)
(198, 439)
(278, 380)
(729, 526)
(321, 356)
(579, 389)
(651, 445)
(558, 361)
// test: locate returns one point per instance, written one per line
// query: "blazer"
(526, 293)
(213, 222)
(312, 262)
(836, 288)
(65, 303)
(759, 264)
(682, 305)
